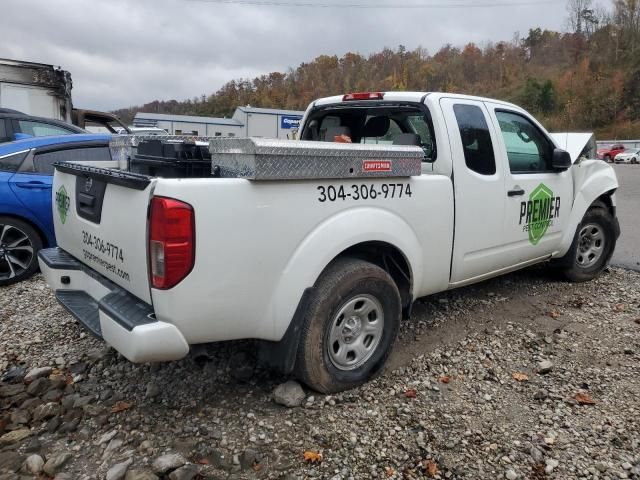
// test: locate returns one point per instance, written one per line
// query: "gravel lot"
(523, 376)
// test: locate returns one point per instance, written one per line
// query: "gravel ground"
(523, 377)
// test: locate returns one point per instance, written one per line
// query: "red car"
(609, 153)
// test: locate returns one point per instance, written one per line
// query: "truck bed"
(258, 244)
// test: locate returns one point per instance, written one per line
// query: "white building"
(246, 122)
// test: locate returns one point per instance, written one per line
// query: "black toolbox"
(171, 159)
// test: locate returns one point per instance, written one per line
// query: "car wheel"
(19, 246)
(607, 158)
(593, 245)
(349, 327)
(634, 160)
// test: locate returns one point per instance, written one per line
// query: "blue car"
(26, 175)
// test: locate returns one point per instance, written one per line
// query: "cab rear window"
(376, 125)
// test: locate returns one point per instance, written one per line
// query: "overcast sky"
(128, 52)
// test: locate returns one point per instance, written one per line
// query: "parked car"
(15, 125)
(609, 153)
(632, 156)
(94, 121)
(26, 169)
(432, 192)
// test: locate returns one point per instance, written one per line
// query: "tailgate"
(100, 217)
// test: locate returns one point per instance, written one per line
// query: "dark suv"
(15, 125)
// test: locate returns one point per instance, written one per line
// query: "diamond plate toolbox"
(270, 159)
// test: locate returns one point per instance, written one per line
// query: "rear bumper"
(109, 312)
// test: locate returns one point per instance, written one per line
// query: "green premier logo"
(63, 201)
(538, 213)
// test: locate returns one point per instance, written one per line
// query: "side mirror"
(561, 160)
(21, 136)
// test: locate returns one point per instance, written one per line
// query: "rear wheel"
(350, 326)
(592, 247)
(19, 245)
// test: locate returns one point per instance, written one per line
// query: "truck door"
(538, 198)
(478, 179)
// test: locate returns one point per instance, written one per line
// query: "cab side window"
(476, 139)
(41, 129)
(528, 150)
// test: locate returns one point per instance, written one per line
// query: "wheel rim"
(355, 332)
(16, 252)
(591, 241)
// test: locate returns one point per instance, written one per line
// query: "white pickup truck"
(321, 267)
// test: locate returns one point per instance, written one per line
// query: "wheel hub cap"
(16, 251)
(355, 332)
(591, 241)
(352, 329)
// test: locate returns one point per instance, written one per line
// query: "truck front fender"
(327, 241)
(591, 180)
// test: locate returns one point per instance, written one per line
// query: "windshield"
(377, 125)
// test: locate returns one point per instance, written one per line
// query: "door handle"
(515, 193)
(33, 185)
(86, 200)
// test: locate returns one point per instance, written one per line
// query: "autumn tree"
(584, 79)
(582, 19)
(627, 18)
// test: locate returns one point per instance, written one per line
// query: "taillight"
(363, 96)
(172, 241)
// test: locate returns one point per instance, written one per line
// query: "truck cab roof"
(413, 97)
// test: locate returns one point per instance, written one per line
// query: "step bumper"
(109, 312)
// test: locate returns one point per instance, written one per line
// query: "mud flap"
(281, 356)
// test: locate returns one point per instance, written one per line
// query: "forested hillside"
(587, 78)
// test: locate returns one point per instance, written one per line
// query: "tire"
(592, 246)
(634, 160)
(19, 246)
(607, 158)
(337, 354)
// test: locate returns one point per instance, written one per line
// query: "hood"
(576, 143)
